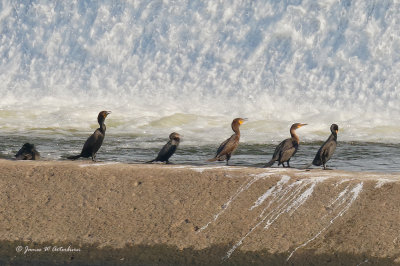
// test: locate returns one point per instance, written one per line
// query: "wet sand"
(107, 214)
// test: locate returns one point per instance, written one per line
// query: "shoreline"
(87, 162)
(211, 214)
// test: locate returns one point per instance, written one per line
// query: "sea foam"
(192, 67)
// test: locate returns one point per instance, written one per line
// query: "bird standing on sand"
(287, 148)
(169, 149)
(93, 143)
(27, 152)
(327, 149)
(229, 146)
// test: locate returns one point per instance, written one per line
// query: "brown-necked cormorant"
(229, 146)
(27, 152)
(327, 149)
(93, 143)
(169, 149)
(287, 148)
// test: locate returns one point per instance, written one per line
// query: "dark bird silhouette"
(93, 143)
(27, 152)
(327, 149)
(229, 146)
(287, 148)
(169, 149)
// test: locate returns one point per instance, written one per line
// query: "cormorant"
(327, 149)
(27, 152)
(287, 148)
(169, 149)
(93, 143)
(229, 146)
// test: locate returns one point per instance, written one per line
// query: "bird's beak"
(108, 112)
(243, 120)
(303, 125)
(336, 131)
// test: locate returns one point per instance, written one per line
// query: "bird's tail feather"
(212, 159)
(270, 163)
(74, 157)
(306, 166)
(151, 161)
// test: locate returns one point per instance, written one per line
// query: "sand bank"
(61, 212)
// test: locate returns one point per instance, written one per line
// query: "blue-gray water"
(352, 156)
(193, 66)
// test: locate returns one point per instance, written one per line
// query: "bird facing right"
(228, 147)
(327, 149)
(94, 142)
(169, 149)
(287, 148)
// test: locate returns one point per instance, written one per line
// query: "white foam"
(168, 66)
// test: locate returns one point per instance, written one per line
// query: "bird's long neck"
(294, 135)
(102, 125)
(235, 128)
(174, 142)
(333, 136)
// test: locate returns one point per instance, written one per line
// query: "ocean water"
(192, 67)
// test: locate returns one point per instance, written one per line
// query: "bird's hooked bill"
(243, 120)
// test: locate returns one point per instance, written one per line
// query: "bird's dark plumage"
(228, 147)
(327, 149)
(94, 142)
(169, 149)
(27, 152)
(287, 148)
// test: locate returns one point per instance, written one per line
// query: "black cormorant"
(229, 146)
(287, 148)
(169, 149)
(27, 152)
(327, 149)
(93, 143)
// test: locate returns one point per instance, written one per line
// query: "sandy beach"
(58, 212)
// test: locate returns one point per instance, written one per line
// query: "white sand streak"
(272, 191)
(250, 181)
(284, 198)
(343, 197)
(298, 193)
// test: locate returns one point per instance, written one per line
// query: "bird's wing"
(166, 152)
(221, 147)
(93, 143)
(328, 149)
(228, 146)
(285, 145)
(317, 159)
(288, 150)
